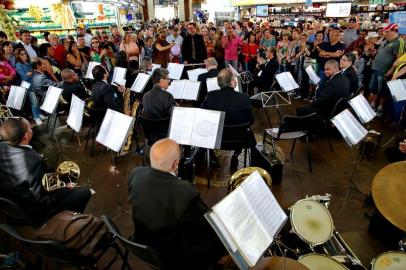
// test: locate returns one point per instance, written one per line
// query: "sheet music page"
(312, 75)
(194, 73)
(362, 108)
(286, 81)
(205, 128)
(182, 125)
(191, 90)
(212, 84)
(140, 82)
(239, 219)
(175, 70)
(119, 76)
(224, 232)
(75, 116)
(25, 84)
(16, 97)
(176, 88)
(89, 74)
(263, 202)
(114, 130)
(398, 89)
(349, 127)
(51, 99)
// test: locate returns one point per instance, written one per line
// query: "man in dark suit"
(268, 66)
(71, 86)
(21, 173)
(336, 87)
(157, 102)
(193, 48)
(236, 105)
(104, 95)
(168, 213)
(348, 70)
(212, 72)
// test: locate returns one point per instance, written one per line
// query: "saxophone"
(134, 108)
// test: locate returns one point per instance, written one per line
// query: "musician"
(193, 47)
(72, 86)
(336, 87)
(41, 78)
(268, 66)
(22, 171)
(168, 213)
(348, 70)
(212, 72)
(158, 103)
(104, 95)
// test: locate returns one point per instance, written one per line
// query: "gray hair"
(66, 74)
(158, 74)
(145, 62)
(332, 63)
(211, 61)
(224, 78)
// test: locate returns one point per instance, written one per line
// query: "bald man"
(168, 212)
(21, 172)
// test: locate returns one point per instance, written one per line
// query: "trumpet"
(239, 176)
(66, 173)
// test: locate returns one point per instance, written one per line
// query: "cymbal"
(276, 263)
(388, 189)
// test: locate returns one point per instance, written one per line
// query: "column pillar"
(151, 10)
(145, 14)
(181, 9)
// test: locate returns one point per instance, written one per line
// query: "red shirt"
(60, 55)
(251, 49)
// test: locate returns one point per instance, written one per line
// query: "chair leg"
(293, 147)
(49, 117)
(88, 135)
(53, 128)
(309, 158)
(73, 135)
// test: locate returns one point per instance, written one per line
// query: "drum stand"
(120, 205)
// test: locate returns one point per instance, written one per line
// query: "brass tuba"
(239, 176)
(67, 172)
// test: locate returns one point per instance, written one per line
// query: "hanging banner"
(400, 19)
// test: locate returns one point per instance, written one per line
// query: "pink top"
(130, 48)
(231, 47)
(6, 70)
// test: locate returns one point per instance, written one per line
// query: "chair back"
(51, 250)
(14, 213)
(236, 135)
(296, 123)
(340, 106)
(142, 252)
(154, 129)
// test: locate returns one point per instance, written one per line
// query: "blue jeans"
(34, 104)
(233, 63)
(376, 82)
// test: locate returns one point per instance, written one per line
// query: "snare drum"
(391, 260)
(320, 262)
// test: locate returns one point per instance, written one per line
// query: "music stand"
(50, 105)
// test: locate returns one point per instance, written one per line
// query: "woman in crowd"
(96, 52)
(283, 48)
(161, 49)
(8, 52)
(74, 58)
(47, 52)
(7, 72)
(359, 66)
(130, 48)
(219, 50)
(268, 39)
(249, 51)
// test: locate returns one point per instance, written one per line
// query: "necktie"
(193, 48)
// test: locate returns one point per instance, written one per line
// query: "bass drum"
(320, 262)
(391, 260)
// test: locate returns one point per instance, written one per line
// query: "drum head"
(391, 260)
(175, 50)
(311, 221)
(320, 262)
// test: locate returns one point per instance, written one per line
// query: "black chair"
(340, 106)
(237, 135)
(14, 213)
(293, 128)
(154, 130)
(94, 117)
(145, 253)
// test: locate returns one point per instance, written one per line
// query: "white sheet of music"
(286, 81)
(51, 99)
(362, 108)
(191, 90)
(25, 84)
(140, 82)
(176, 88)
(212, 84)
(119, 76)
(75, 117)
(398, 89)
(233, 70)
(182, 125)
(194, 73)
(16, 97)
(89, 74)
(114, 130)
(175, 70)
(349, 127)
(312, 74)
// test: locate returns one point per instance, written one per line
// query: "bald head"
(16, 130)
(165, 155)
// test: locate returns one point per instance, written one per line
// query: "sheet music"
(191, 90)
(89, 74)
(175, 70)
(51, 99)
(119, 76)
(235, 72)
(25, 84)
(75, 117)
(312, 74)
(362, 108)
(114, 130)
(194, 73)
(16, 97)
(182, 124)
(140, 82)
(398, 89)
(352, 131)
(286, 81)
(176, 88)
(224, 232)
(205, 128)
(154, 66)
(212, 84)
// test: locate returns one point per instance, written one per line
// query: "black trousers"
(303, 111)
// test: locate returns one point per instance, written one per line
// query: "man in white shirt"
(25, 37)
(88, 37)
(175, 38)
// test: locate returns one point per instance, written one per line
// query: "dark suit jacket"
(236, 105)
(18, 45)
(352, 77)
(268, 73)
(168, 216)
(105, 97)
(200, 49)
(74, 88)
(212, 73)
(158, 103)
(336, 87)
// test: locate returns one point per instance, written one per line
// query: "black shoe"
(234, 162)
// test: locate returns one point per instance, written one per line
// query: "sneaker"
(43, 117)
(38, 121)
